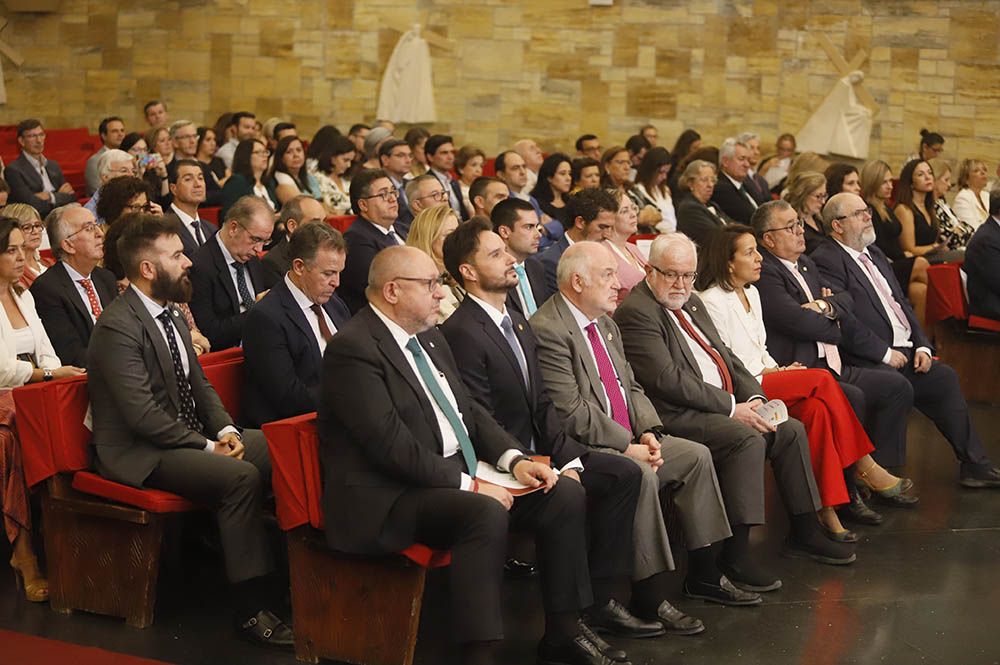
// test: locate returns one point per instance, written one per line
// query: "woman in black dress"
(806, 193)
(555, 177)
(915, 210)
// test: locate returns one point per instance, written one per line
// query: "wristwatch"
(47, 374)
(823, 306)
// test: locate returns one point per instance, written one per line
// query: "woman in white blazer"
(972, 203)
(26, 356)
(837, 441)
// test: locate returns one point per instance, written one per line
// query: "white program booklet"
(774, 412)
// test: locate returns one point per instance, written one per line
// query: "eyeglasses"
(621, 162)
(439, 195)
(707, 179)
(144, 207)
(388, 195)
(794, 227)
(35, 135)
(819, 197)
(431, 284)
(185, 137)
(258, 153)
(254, 240)
(673, 276)
(32, 228)
(860, 213)
(89, 227)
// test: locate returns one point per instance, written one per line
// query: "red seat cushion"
(982, 323)
(945, 295)
(210, 214)
(155, 501)
(227, 379)
(426, 557)
(341, 222)
(216, 357)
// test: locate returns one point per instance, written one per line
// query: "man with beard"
(158, 423)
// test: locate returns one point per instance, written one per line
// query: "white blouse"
(14, 372)
(970, 211)
(742, 331)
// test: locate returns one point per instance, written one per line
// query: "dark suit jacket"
(213, 193)
(792, 332)
(697, 222)
(732, 201)
(493, 376)
(549, 259)
(65, 316)
(664, 365)
(379, 435)
(282, 360)
(191, 246)
(536, 280)
(215, 303)
(364, 241)
(868, 341)
(133, 392)
(758, 188)
(982, 265)
(276, 263)
(25, 182)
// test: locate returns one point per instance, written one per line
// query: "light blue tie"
(464, 443)
(525, 287)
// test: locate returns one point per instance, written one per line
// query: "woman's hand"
(200, 343)
(67, 370)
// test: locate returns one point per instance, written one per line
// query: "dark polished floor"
(925, 589)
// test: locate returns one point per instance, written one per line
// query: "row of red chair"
(946, 299)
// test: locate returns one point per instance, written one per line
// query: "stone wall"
(549, 69)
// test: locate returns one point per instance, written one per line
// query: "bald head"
(403, 285)
(588, 277)
(530, 153)
(839, 205)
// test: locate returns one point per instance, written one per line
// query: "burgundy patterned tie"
(619, 410)
(95, 304)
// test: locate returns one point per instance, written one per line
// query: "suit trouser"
(739, 451)
(613, 486)
(474, 527)
(234, 489)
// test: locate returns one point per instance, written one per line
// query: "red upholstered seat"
(210, 214)
(216, 357)
(341, 222)
(155, 501)
(982, 323)
(945, 295)
(227, 379)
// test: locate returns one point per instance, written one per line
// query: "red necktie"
(720, 364)
(95, 304)
(324, 329)
(619, 410)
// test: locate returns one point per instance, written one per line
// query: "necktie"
(323, 328)
(188, 412)
(883, 287)
(464, 443)
(524, 286)
(401, 193)
(832, 352)
(720, 364)
(606, 370)
(515, 346)
(395, 236)
(246, 299)
(198, 236)
(95, 304)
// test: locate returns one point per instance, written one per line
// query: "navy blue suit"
(215, 303)
(732, 200)
(982, 258)
(364, 241)
(536, 282)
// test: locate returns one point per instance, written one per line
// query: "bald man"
(533, 158)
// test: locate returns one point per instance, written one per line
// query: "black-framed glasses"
(32, 228)
(89, 227)
(145, 207)
(860, 213)
(673, 275)
(431, 284)
(439, 195)
(794, 227)
(387, 195)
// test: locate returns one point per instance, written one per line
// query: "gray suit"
(575, 387)
(691, 407)
(140, 440)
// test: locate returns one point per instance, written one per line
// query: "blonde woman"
(973, 200)
(33, 229)
(955, 233)
(806, 193)
(427, 233)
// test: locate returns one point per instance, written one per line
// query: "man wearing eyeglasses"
(70, 295)
(226, 272)
(806, 322)
(184, 135)
(889, 336)
(376, 203)
(731, 191)
(396, 157)
(702, 391)
(33, 179)
(423, 192)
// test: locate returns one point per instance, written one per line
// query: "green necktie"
(525, 288)
(413, 346)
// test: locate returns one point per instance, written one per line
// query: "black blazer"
(732, 201)
(493, 376)
(697, 222)
(982, 265)
(758, 188)
(792, 332)
(868, 341)
(379, 435)
(191, 246)
(276, 263)
(549, 260)
(215, 303)
(64, 314)
(213, 193)
(282, 360)
(25, 182)
(536, 280)
(364, 241)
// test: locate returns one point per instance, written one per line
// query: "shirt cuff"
(887, 357)
(762, 398)
(732, 407)
(574, 464)
(209, 445)
(228, 429)
(925, 350)
(509, 456)
(466, 483)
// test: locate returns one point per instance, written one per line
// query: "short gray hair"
(292, 209)
(746, 137)
(55, 227)
(692, 170)
(177, 126)
(112, 156)
(833, 209)
(728, 148)
(414, 184)
(664, 244)
(761, 219)
(576, 261)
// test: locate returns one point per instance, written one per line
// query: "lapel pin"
(520, 327)
(610, 337)
(694, 308)
(804, 268)
(431, 344)
(176, 313)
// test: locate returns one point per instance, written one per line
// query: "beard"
(163, 287)
(500, 285)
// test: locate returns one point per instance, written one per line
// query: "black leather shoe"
(615, 619)
(845, 536)
(676, 622)
(859, 512)
(581, 651)
(266, 629)
(724, 593)
(608, 651)
(747, 577)
(979, 477)
(519, 570)
(820, 549)
(896, 500)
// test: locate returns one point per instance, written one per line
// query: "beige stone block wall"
(549, 69)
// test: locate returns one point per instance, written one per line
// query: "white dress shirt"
(187, 221)
(391, 232)
(582, 321)
(76, 277)
(706, 365)
(39, 165)
(232, 272)
(794, 269)
(740, 189)
(302, 301)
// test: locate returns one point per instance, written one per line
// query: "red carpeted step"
(19, 649)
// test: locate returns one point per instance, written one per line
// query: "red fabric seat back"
(50, 425)
(341, 222)
(216, 357)
(945, 294)
(210, 214)
(227, 379)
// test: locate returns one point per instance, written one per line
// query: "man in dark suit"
(485, 192)
(158, 423)
(184, 135)
(396, 158)
(702, 391)
(70, 295)
(513, 171)
(516, 222)
(187, 190)
(33, 179)
(375, 202)
(591, 216)
(755, 183)
(982, 257)
(888, 335)
(439, 150)
(400, 436)
(287, 332)
(296, 213)
(806, 321)
(227, 275)
(497, 358)
(731, 192)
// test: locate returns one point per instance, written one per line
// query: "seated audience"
(322, 140)
(358, 133)
(982, 259)
(161, 424)
(774, 169)
(631, 262)
(112, 132)
(206, 154)
(731, 191)
(158, 141)
(651, 187)
(617, 165)
(841, 177)
(533, 158)
(516, 222)
(113, 163)
(5, 190)
(423, 192)
(288, 176)
(226, 273)
(155, 113)
(972, 202)
(650, 133)
(427, 233)
(552, 186)
(287, 332)
(921, 235)
(806, 193)
(511, 170)
(637, 147)
(687, 143)
(396, 158)
(124, 195)
(806, 162)
(416, 137)
(184, 137)
(149, 166)
(187, 190)
(371, 422)
(299, 211)
(486, 192)
(373, 142)
(247, 179)
(33, 229)
(954, 233)
(469, 163)
(586, 172)
(440, 152)
(243, 125)
(332, 166)
(754, 182)
(698, 216)
(71, 295)
(33, 179)
(889, 335)
(594, 391)
(706, 153)
(589, 145)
